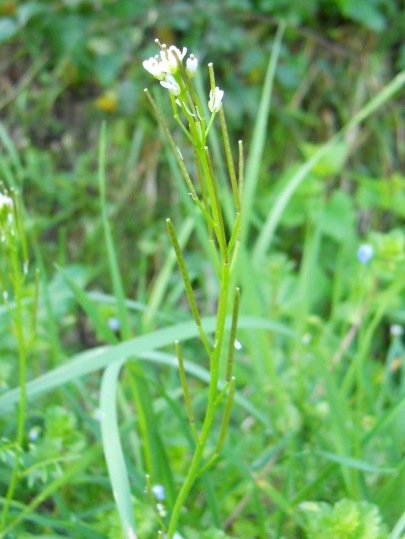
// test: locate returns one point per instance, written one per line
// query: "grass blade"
(398, 528)
(259, 133)
(112, 258)
(113, 452)
(98, 358)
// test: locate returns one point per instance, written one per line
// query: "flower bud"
(191, 65)
(215, 101)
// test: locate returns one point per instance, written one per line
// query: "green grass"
(110, 381)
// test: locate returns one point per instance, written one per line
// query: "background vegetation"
(316, 440)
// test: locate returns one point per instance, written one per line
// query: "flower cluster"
(168, 68)
(165, 66)
(168, 62)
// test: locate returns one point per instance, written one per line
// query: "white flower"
(171, 84)
(171, 57)
(191, 65)
(215, 102)
(161, 509)
(180, 54)
(155, 68)
(5, 202)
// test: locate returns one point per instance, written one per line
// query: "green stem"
(203, 187)
(194, 469)
(186, 391)
(17, 279)
(241, 166)
(173, 146)
(227, 416)
(215, 204)
(192, 472)
(229, 160)
(235, 237)
(192, 94)
(221, 318)
(189, 290)
(232, 336)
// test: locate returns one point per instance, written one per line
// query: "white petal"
(171, 84)
(154, 67)
(5, 202)
(180, 54)
(215, 101)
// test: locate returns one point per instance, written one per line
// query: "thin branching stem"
(229, 160)
(215, 203)
(187, 284)
(173, 146)
(186, 391)
(232, 336)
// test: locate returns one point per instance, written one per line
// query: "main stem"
(215, 356)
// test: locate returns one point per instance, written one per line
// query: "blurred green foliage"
(66, 66)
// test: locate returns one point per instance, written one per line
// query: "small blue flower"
(365, 253)
(159, 492)
(97, 414)
(33, 434)
(114, 324)
(396, 330)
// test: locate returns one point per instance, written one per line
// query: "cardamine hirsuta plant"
(196, 117)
